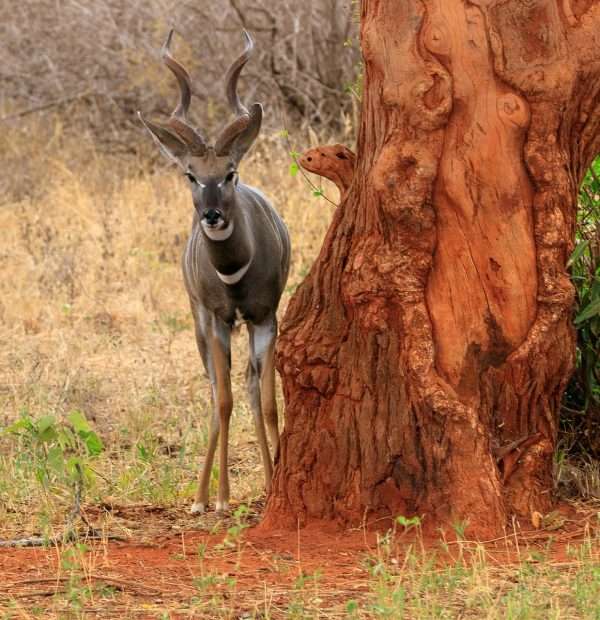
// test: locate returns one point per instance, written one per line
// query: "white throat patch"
(220, 234)
(234, 278)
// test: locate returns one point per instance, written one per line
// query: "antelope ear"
(169, 144)
(246, 138)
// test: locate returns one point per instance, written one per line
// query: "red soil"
(169, 566)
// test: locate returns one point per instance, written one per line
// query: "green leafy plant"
(295, 168)
(581, 411)
(58, 453)
(233, 538)
(78, 593)
(408, 523)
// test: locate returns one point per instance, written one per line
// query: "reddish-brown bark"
(424, 357)
(332, 161)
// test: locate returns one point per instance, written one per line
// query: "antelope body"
(235, 265)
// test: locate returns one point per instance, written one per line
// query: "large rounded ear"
(246, 138)
(170, 145)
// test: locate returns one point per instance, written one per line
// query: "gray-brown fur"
(235, 265)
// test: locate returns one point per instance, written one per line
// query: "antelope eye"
(191, 178)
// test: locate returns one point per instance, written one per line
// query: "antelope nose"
(212, 216)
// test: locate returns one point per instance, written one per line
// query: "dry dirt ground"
(173, 565)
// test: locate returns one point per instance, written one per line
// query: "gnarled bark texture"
(334, 162)
(424, 357)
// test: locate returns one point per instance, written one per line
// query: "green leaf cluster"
(583, 394)
(59, 452)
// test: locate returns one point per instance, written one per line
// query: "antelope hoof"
(198, 508)
(222, 506)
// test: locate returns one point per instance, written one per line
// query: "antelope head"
(210, 169)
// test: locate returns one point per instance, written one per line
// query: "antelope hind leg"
(262, 338)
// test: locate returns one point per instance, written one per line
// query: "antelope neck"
(232, 256)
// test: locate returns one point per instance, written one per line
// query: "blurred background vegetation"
(98, 62)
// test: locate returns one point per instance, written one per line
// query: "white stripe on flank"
(218, 235)
(234, 278)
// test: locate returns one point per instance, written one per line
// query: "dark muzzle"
(212, 216)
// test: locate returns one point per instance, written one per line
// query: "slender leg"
(204, 335)
(267, 391)
(253, 385)
(262, 338)
(221, 356)
(201, 499)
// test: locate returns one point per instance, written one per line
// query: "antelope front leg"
(214, 347)
(221, 355)
(202, 320)
(201, 499)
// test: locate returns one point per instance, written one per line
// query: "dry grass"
(93, 316)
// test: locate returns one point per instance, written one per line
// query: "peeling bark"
(424, 357)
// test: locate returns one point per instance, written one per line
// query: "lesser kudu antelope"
(235, 264)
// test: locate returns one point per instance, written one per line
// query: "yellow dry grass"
(94, 315)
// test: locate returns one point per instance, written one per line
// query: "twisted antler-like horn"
(233, 74)
(243, 117)
(178, 121)
(182, 76)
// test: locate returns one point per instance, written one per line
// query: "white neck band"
(234, 278)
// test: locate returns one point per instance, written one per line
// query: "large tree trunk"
(424, 357)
